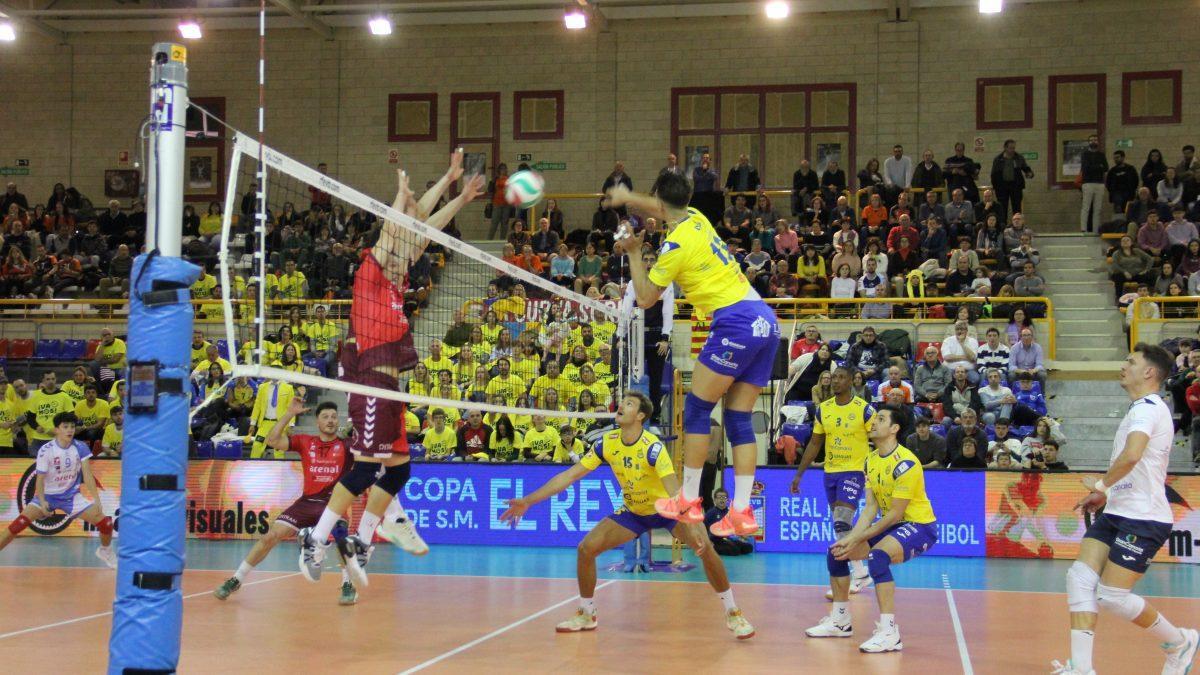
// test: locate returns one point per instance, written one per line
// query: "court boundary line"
(68, 622)
(637, 578)
(499, 631)
(958, 629)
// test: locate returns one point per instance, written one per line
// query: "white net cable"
(460, 286)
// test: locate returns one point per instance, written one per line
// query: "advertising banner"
(803, 523)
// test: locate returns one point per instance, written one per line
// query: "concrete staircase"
(1089, 327)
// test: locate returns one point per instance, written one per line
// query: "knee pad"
(879, 564)
(19, 524)
(1081, 588)
(360, 477)
(105, 526)
(738, 428)
(1120, 602)
(837, 568)
(697, 414)
(394, 478)
(843, 519)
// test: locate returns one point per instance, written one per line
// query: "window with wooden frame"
(1004, 103)
(538, 115)
(412, 118)
(1154, 97)
(1075, 111)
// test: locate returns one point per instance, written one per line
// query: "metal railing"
(1175, 315)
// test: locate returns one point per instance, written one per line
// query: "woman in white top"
(1170, 189)
(881, 259)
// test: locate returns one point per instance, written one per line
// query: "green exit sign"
(550, 166)
(1124, 143)
(1029, 156)
(14, 171)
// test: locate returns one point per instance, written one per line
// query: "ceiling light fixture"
(190, 30)
(778, 9)
(380, 25)
(7, 33)
(575, 19)
(990, 6)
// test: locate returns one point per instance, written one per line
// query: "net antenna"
(291, 181)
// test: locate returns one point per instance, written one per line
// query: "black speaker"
(779, 371)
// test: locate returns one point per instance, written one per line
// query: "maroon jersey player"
(323, 458)
(378, 348)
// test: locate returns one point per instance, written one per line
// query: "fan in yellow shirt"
(440, 441)
(203, 287)
(505, 383)
(586, 338)
(211, 357)
(448, 391)
(74, 386)
(93, 414)
(293, 285)
(437, 360)
(507, 444)
(491, 328)
(199, 348)
(527, 363)
(113, 440)
(569, 448)
(10, 416)
(464, 370)
(541, 441)
(553, 379)
(588, 382)
(43, 404)
(270, 404)
(110, 353)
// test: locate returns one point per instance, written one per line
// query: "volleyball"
(524, 189)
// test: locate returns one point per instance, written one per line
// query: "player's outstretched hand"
(296, 406)
(516, 509)
(456, 165)
(618, 195)
(628, 241)
(473, 187)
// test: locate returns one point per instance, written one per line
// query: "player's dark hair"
(326, 405)
(115, 409)
(645, 405)
(895, 416)
(1156, 356)
(66, 418)
(673, 189)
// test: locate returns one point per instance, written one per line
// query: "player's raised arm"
(647, 292)
(517, 507)
(276, 438)
(433, 194)
(619, 195)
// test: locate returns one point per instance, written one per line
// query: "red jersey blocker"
(379, 336)
(323, 463)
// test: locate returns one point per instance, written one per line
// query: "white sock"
(1081, 650)
(588, 605)
(858, 569)
(395, 511)
(888, 621)
(242, 571)
(840, 613)
(320, 533)
(691, 483)
(1164, 631)
(345, 576)
(727, 600)
(742, 487)
(366, 527)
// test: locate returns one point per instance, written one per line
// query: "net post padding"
(280, 162)
(412, 399)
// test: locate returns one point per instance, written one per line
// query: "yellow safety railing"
(103, 310)
(1171, 310)
(800, 309)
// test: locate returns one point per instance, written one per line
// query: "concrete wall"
(70, 109)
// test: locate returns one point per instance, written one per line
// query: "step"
(1073, 341)
(1079, 285)
(1098, 355)
(1068, 314)
(1082, 300)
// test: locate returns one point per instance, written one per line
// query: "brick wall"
(70, 109)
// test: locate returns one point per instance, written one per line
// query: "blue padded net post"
(148, 609)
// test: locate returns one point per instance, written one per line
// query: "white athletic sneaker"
(311, 555)
(354, 554)
(884, 639)
(404, 534)
(829, 628)
(1067, 669)
(581, 621)
(737, 623)
(108, 555)
(1179, 661)
(857, 584)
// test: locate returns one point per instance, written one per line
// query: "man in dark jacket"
(743, 178)
(1009, 171)
(960, 172)
(805, 184)
(1093, 166)
(868, 355)
(969, 428)
(1121, 181)
(927, 175)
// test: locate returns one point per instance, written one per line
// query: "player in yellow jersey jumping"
(906, 528)
(842, 425)
(738, 356)
(643, 468)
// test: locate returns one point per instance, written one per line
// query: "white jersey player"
(62, 468)
(1117, 548)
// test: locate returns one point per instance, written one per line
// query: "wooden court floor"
(496, 614)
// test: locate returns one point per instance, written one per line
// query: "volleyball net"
(460, 328)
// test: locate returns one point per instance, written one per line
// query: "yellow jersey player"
(841, 425)
(738, 355)
(906, 528)
(643, 468)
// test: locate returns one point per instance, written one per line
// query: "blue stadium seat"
(223, 349)
(315, 362)
(938, 429)
(416, 451)
(73, 350)
(48, 349)
(229, 450)
(204, 450)
(801, 432)
(1020, 433)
